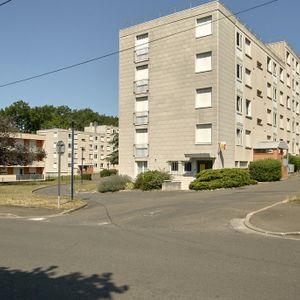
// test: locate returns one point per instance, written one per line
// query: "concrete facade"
(198, 90)
(91, 148)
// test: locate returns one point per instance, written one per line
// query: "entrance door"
(204, 165)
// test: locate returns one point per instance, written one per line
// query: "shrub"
(151, 180)
(113, 183)
(266, 170)
(223, 178)
(295, 160)
(108, 172)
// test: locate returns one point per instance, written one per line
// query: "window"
(239, 104)
(297, 87)
(107, 148)
(204, 27)
(288, 80)
(141, 166)
(239, 138)
(187, 166)
(297, 128)
(288, 102)
(274, 69)
(203, 133)
(281, 98)
(95, 156)
(203, 62)
(239, 40)
(269, 117)
(269, 90)
(239, 70)
(141, 47)
(274, 119)
(259, 93)
(259, 65)
(141, 73)
(174, 166)
(141, 136)
(281, 122)
(297, 67)
(248, 108)
(288, 58)
(274, 93)
(141, 110)
(269, 137)
(55, 134)
(297, 107)
(55, 165)
(248, 78)
(259, 122)
(293, 105)
(269, 64)
(293, 85)
(248, 138)
(203, 98)
(281, 74)
(288, 124)
(248, 47)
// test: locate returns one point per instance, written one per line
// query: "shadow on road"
(43, 283)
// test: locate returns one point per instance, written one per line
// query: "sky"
(38, 36)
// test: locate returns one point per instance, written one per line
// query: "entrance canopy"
(271, 145)
(199, 155)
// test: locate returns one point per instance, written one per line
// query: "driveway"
(152, 245)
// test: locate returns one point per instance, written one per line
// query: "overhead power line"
(132, 47)
(3, 3)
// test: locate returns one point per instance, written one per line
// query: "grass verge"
(17, 195)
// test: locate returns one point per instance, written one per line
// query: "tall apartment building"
(91, 148)
(199, 90)
(31, 172)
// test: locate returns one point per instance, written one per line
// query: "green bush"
(295, 160)
(151, 180)
(266, 170)
(222, 178)
(113, 183)
(108, 172)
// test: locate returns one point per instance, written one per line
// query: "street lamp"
(60, 149)
(81, 177)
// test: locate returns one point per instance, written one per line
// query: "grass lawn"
(86, 186)
(21, 195)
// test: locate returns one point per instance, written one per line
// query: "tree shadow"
(43, 283)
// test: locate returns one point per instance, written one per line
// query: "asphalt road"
(152, 245)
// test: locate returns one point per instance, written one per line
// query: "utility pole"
(72, 163)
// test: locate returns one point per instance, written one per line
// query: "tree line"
(30, 119)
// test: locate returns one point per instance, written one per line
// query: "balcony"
(141, 118)
(141, 86)
(141, 150)
(141, 54)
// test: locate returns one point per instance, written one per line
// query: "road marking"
(37, 219)
(103, 223)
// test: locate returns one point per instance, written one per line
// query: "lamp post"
(81, 177)
(60, 148)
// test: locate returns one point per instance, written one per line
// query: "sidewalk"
(281, 219)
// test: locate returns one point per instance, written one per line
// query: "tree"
(13, 153)
(113, 158)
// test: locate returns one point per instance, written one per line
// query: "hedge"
(222, 178)
(295, 160)
(266, 170)
(113, 183)
(108, 172)
(151, 180)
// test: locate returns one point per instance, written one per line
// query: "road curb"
(249, 225)
(65, 212)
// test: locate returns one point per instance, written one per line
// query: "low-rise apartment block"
(35, 171)
(91, 148)
(199, 90)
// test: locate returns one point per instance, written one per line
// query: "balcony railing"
(141, 150)
(140, 118)
(141, 86)
(141, 54)
(26, 177)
